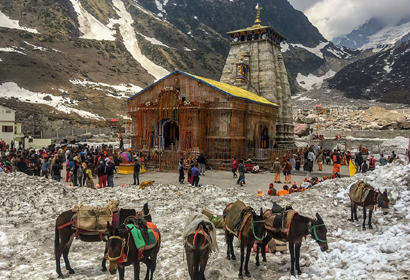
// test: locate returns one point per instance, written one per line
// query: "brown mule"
(197, 251)
(251, 229)
(373, 198)
(300, 227)
(64, 236)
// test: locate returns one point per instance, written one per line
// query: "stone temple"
(255, 64)
(243, 115)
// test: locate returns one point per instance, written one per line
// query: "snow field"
(123, 91)
(12, 90)
(31, 204)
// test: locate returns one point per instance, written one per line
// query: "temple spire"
(257, 21)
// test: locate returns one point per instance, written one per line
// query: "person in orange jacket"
(284, 191)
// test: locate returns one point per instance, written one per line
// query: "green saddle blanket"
(139, 239)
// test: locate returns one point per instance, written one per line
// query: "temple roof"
(252, 28)
(222, 87)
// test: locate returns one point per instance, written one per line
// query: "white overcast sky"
(338, 17)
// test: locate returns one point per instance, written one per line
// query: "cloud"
(339, 17)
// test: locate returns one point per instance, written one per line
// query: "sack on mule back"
(94, 218)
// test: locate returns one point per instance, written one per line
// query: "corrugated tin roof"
(222, 87)
(234, 91)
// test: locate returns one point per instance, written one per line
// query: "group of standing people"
(194, 169)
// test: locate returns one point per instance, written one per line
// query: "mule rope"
(253, 230)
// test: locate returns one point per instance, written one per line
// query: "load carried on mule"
(359, 192)
(145, 235)
(278, 219)
(94, 219)
(192, 224)
(239, 213)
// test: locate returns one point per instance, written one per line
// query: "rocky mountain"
(382, 76)
(306, 53)
(75, 61)
(375, 33)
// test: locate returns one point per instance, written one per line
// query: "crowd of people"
(82, 164)
(336, 157)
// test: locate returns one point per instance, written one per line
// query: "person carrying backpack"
(80, 173)
(111, 171)
(336, 162)
(102, 174)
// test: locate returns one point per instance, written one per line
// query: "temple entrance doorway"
(170, 133)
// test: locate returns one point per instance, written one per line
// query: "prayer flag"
(352, 168)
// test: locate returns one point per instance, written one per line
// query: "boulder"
(300, 119)
(310, 119)
(301, 129)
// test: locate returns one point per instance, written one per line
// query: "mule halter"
(253, 230)
(380, 202)
(122, 248)
(312, 230)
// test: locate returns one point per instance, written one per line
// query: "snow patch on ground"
(131, 43)
(11, 49)
(311, 81)
(154, 41)
(336, 52)
(398, 145)
(284, 47)
(121, 90)
(90, 26)
(160, 6)
(33, 205)
(7, 22)
(61, 104)
(316, 50)
(36, 47)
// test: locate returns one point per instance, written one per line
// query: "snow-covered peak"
(374, 34)
(389, 36)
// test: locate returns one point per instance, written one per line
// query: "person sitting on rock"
(249, 166)
(272, 190)
(255, 168)
(306, 184)
(294, 188)
(284, 191)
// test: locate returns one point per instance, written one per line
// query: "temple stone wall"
(266, 77)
